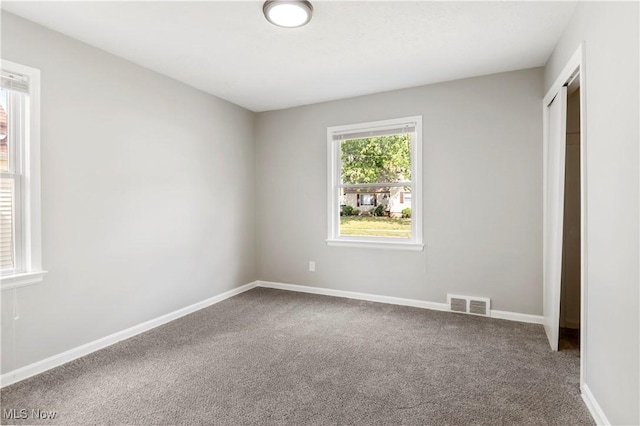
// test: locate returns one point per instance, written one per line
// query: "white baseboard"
(80, 351)
(511, 316)
(515, 316)
(355, 295)
(594, 407)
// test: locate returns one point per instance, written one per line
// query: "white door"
(553, 213)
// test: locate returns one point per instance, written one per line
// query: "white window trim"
(31, 272)
(415, 243)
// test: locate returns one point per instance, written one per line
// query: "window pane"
(376, 160)
(4, 149)
(376, 212)
(7, 192)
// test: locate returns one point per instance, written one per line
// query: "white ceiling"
(348, 49)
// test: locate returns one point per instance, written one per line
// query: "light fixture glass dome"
(288, 14)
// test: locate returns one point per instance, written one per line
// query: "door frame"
(576, 64)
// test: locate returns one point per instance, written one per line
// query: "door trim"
(576, 64)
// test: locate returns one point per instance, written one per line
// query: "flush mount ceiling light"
(287, 13)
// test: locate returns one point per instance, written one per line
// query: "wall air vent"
(458, 305)
(469, 305)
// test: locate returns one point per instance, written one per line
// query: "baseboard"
(594, 407)
(511, 316)
(80, 351)
(515, 316)
(355, 295)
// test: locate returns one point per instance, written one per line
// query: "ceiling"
(349, 48)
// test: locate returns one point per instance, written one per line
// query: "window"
(20, 172)
(374, 186)
(366, 200)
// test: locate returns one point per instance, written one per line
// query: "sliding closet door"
(555, 145)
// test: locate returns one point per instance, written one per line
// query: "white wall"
(482, 194)
(610, 33)
(147, 196)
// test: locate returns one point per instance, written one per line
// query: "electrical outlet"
(312, 266)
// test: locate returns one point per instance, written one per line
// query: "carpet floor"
(277, 357)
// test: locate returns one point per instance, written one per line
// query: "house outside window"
(374, 186)
(20, 248)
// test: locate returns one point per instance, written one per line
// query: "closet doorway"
(564, 213)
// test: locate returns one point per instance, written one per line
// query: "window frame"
(415, 243)
(28, 226)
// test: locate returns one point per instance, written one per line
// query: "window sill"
(22, 280)
(384, 245)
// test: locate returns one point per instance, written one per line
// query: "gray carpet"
(277, 357)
